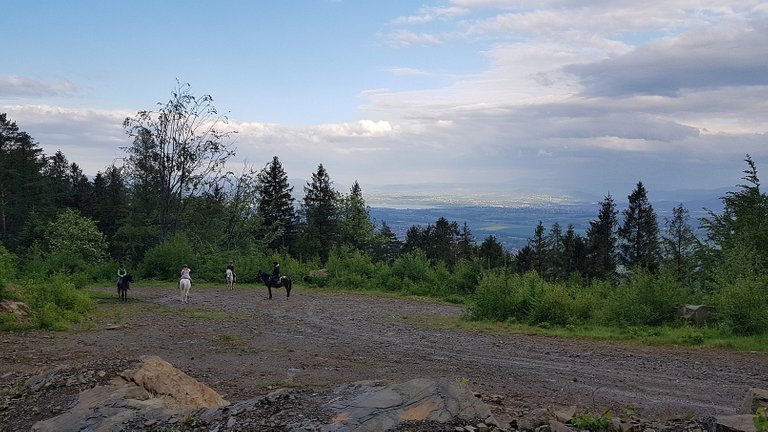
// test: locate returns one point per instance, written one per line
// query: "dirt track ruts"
(243, 345)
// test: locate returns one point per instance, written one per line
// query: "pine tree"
(275, 204)
(356, 226)
(679, 244)
(601, 241)
(22, 187)
(492, 253)
(321, 214)
(467, 249)
(639, 235)
(386, 245)
(539, 249)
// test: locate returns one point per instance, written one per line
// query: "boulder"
(178, 389)
(155, 391)
(20, 310)
(369, 406)
(754, 399)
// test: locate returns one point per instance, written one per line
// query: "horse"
(184, 286)
(123, 284)
(284, 281)
(230, 277)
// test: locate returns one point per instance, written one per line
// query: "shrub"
(8, 262)
(164, 261)
(645, 299)
(56, 302)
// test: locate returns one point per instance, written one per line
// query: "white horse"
(230, 276)
(184, 286)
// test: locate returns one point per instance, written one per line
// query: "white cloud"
(405, 38)
(15, 86)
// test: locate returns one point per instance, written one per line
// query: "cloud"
(430, 14)
(17, 86)
(703, 59)
(405, 38)
(406, 71)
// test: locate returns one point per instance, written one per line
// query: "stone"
(735, 423)
(181, 391)
(565, 414)
(20, 310)
(754, 399)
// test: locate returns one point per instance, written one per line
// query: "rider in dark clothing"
(276, 273)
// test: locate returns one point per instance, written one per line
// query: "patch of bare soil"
(243, 345)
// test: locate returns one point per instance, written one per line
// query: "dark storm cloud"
(705, 59)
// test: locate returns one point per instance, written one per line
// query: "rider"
(121, 272)
(276, 273)
(231, 266)
(185, 273)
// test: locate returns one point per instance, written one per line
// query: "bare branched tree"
(178, 150)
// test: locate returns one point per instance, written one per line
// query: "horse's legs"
(270, 291)
(288, 289)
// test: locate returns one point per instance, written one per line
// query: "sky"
(530, 97)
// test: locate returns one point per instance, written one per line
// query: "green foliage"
(742, 298)
(164, 261)
(77, 236)
(593, 422)
(644, 299)
(8, 263)
(55, 301)
(760, 420)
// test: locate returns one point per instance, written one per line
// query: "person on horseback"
(185, 273)
(276, 273)
(121, 272)
(231, 266)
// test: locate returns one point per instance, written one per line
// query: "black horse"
(270, 282)
(123, 284)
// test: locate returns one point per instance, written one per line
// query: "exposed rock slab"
(368, 406)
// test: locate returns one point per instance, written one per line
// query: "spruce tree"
(22, 188)
(679, 243)
(356, 227)
(601, 241)
(275, 204)
(466, 244)
(321, 214)
(639, 234)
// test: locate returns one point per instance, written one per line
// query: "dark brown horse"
(123, 285)
(270, 282)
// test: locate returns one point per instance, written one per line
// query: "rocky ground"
(245, 346)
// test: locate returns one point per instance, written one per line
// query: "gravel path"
(243, 345)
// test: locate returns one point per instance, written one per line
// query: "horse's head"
(128, 278)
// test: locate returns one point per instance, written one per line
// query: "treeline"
(172, 201)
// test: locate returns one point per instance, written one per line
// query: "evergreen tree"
(110, 203)
(275, 205)
(321, 215)
(492, 253)
(639, 235)
(22, 188)
(466, 244)
(679, 243)
(744, 220)
(574, 252)
(539, 249)
(442, 242)
(386, 244)
(555, 267)
(601, 241)
(356, 227)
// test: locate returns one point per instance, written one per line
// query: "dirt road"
(243, 345)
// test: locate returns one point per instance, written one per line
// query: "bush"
(8, 262)
(743, 306)
(645, 299)
(56, 302)
(164, 261)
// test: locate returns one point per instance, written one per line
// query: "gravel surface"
(243, 346)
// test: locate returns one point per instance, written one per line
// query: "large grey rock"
(754, 399)
(735, 423)
(369, 406)
(155, 391)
